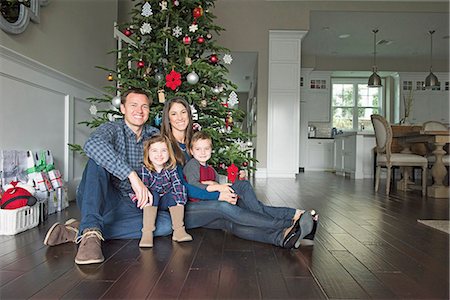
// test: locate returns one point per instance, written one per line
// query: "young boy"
(199, 173)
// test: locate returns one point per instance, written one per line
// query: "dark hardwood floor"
(368, 246)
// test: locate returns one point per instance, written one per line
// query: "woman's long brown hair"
(166, 129)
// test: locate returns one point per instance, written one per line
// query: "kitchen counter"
(350, 133)
(321, 138)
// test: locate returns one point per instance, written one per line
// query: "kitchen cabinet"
(320, 154)
(316, 94)
(353, 154)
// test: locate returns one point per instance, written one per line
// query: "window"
(352, 104)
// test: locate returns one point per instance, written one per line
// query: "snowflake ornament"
(146, 10)
(193, 28)
(233, 99)
(146, 28)
(93, 110)
(177, 31)
(227, 59)
(163, 5)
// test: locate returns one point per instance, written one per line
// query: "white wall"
(40, 108)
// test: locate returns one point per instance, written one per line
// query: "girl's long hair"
(170, 164)
(166, 129)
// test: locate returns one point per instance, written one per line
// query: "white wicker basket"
(13, 221)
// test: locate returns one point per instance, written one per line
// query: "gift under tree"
(171, 50)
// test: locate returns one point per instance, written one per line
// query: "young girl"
(159, 174)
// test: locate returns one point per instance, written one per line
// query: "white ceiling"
(408, 33)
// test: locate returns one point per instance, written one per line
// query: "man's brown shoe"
(62, 233)
(90, 249)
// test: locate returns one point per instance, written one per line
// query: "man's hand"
(142, 193)
(228, 197)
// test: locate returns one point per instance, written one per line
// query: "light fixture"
(431, 80)
(374, 79)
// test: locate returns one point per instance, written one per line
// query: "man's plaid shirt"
(114, 147)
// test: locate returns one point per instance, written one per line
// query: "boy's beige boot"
(179, 232)
(148, 226)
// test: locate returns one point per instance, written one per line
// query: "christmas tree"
(172, 51)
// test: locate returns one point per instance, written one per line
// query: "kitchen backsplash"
(322, 129)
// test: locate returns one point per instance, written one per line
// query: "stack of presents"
(31, 188)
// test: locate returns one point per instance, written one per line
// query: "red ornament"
(213, 59)
(245, 164)
(173, 80)
(197, 12)
(232, 172)
(187, 40)
(140, 64)
(127, 32)
(200, 40)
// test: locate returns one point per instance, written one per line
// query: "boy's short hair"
(200, 135)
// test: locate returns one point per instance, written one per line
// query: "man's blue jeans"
(102, 206)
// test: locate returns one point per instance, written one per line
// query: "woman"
(249, 218)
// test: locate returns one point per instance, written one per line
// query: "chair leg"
(377, 178)
(388, 180)
(424, 180)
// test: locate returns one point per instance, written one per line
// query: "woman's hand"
(228, 197)
(141, 191)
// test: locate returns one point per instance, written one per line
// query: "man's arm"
(100, 148)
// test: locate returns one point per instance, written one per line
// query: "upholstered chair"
(386, 159)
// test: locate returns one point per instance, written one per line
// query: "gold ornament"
(203, 103)
(161, 96)
(110, 77)
(188, 61)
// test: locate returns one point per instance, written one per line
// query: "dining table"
(438, 139)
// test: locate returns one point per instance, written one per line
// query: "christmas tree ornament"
(188, 61)
(213, 59)
(163, 5)
(110, 77)
(173, 80)
(197, 12)
(176, 2)
(192, 78)
(203, 103)
(194, 112)
(193, 27)
(196, 127)
(127, 32)
(233, 99)
(148, 71)
(186, 40)
(177, 31)
(232, 172)
(216, 90)
(157, 120)
(146, 28)
(93, 110)
(200, 40)
(209, 36)
(245, 164)
(116, 101)
(140, 64)
(159, 76)
(161, 96)
(227, 59)
(146, 10)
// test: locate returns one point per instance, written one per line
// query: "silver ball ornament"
(216, 90)
(116, 101)
(159, 76)
(192, 78)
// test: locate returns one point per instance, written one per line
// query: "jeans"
(104, 207)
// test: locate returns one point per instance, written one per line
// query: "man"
(115, 151)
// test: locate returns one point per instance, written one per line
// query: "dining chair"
(387, 159)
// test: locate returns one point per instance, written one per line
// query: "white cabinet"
(320, 154)
(316, 95)
(353, 154)
(427, 104)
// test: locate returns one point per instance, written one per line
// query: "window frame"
(355, 82)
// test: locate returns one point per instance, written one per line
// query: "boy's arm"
(192, 174)
(195, 192)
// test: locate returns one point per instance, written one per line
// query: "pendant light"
(431, 80)
(374, 79)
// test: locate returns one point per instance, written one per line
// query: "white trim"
(261, 173)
